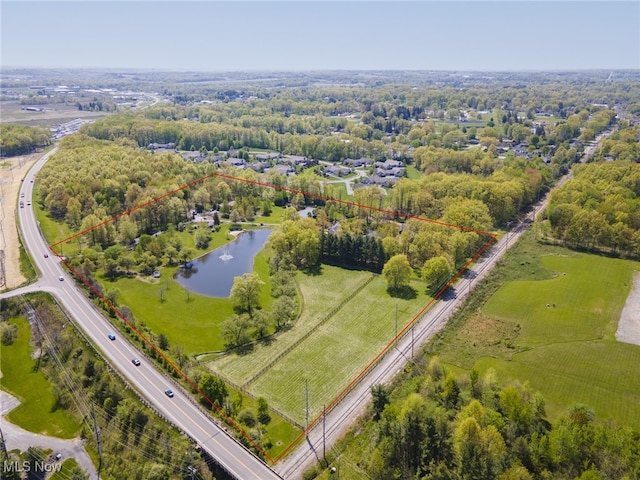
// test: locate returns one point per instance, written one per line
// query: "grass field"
(36, 411)
(319, 294)
(337, 352)
(568, 352)
(189, 320)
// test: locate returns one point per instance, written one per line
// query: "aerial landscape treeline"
(363, 179)
(20, 139)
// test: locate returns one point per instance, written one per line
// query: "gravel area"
(12, 171)
(629, 324)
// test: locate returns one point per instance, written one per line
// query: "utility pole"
(3, 448)
(396, 321)
(412, 327)
(324, 421)
(98, 439)
(306, 410)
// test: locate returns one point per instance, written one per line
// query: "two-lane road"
(146, 378)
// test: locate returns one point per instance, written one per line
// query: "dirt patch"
(12, 171)
(629, 323)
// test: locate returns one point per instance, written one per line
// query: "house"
(336, 170)
(161, 146)
(284, 169)
(377, 180)
(389, 164)
(293, 160)
(236, 162)
(358, 162)
(267, 157)
(257, 166)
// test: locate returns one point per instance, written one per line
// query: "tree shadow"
(244, 349)
(406, 292)
(313, 270)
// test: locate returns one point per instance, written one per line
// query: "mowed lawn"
(320, 293)
(570, 351)
(36, 411)
(338, 351)
(189, 320)
(585, 300)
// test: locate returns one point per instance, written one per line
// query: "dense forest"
(599, 209)
(19, 139)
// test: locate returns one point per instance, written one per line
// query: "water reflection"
(212, 274)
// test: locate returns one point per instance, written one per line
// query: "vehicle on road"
(111, 336)
(136, 362)
(28, 203)
(61, 278)
(22, 195)
(169, 393)
(46, 255)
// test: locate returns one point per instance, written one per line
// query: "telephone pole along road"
(345, 413)
(180, 410)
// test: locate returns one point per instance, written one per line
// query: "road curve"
(151, 383)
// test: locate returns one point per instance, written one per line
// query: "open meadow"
(334, 354)
(556, 331)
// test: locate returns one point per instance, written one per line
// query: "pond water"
(212, 274)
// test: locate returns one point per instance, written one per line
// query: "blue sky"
(321, 35)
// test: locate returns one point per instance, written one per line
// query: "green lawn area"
(36, 412)
(319, 293)
(568, 352)
(189, 320)
(601, 374)
(413, 173)
(338, 351)
(54, 231)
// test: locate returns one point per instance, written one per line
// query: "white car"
(61, 278)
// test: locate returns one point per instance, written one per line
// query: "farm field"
(557, 332)
(333, 355)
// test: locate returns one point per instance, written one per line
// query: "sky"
(302, 35)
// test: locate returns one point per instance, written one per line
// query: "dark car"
(111, 336)
(169, 393)
(136, 362)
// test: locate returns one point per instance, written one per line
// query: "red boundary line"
(365, 370)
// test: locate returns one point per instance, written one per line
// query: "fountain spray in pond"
(226, 256)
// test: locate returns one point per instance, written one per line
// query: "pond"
(212, 274)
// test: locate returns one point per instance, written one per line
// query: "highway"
(180, 410)
(150, 382)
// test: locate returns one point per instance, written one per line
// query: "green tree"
(263, 411)
(213, 388)
(380, 398)
(235, 330)
(283, 311)
(435, 272)
(397, 272)
(245, 291)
